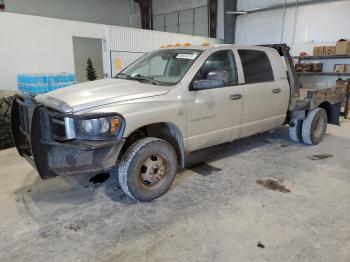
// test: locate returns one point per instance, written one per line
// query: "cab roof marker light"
(205, 44)
(186, 44)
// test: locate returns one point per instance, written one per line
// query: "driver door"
(214, 114)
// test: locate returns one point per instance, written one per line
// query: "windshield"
(161, 67)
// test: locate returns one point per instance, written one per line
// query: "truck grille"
(59, 129)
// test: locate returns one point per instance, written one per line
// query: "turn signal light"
(115, 122)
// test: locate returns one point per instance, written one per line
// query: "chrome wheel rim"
(153, 171)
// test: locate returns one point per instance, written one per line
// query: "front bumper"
(35, 140)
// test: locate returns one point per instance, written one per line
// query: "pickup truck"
(145, 121)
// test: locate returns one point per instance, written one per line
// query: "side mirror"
(208, 84)
(214, 79)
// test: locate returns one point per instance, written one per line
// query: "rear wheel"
(295, 126)
(314, 126)
(148, 169)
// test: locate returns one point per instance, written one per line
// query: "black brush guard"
(34, 139)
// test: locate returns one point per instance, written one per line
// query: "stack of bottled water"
(34, 84)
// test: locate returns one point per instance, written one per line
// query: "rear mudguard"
(333, 114)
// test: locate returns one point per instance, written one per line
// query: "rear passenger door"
(261, 93)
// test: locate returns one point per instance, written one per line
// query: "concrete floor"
(220, 217)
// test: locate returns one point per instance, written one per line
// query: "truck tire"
(314, 126)
(5, 125)
(295, 130)
(147, 169)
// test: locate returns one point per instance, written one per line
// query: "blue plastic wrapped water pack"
(34, 84)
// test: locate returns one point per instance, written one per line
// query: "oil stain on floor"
(320, 156)
(273, 184)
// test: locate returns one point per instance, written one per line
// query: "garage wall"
(302, 28)
(132, 41)
(113, 12)
(31, 44)
(181, 16)
(138, 40)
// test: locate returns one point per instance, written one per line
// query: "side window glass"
(256, 66)
(220, 63)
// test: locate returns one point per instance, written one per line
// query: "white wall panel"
(32, 44)
(315, 24)
(138, 40)
(259, 28)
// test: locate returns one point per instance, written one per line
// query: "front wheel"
(148, 169)
(314, 126)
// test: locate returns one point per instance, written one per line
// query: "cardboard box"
(318, 50)
(343, 47)
(317, 67)
(329, 51)
(340, 68)
(307, 67)
(299, 67)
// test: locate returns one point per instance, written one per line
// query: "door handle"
(276, 90)
(235, 97)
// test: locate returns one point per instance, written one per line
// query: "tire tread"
(128, 158)
(306, 130)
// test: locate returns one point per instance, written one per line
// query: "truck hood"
(96, 93)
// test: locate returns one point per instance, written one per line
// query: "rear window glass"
(256, 66)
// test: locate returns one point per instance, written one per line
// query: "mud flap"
(333, 114)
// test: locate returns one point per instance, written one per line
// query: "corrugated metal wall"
(124, 39)
(138, 40)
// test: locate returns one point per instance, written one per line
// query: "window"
(193, 21)
(162, 67)
(221, 61)
(256, 66)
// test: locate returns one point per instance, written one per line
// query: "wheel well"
(166, 131)
(326, 106)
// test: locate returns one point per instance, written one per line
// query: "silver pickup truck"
(170, 102)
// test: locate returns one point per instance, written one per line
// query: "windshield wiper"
(141, 78)
(119, 75)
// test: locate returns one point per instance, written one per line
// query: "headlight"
(99, 128)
